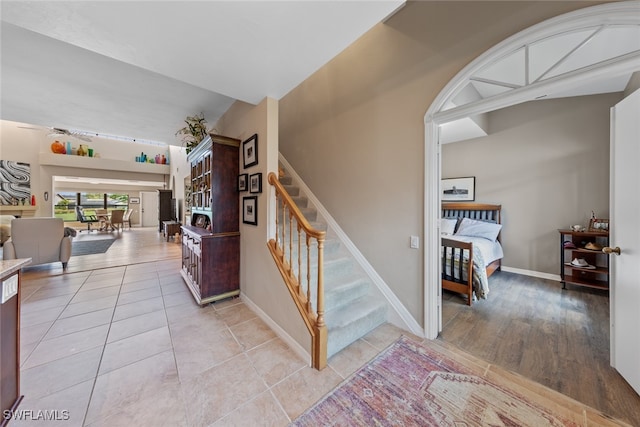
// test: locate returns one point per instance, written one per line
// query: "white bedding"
(484, 253)
(491, 251)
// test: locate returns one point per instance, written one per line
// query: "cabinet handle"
(608, 250)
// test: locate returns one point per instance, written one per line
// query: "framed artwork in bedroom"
(458, 189)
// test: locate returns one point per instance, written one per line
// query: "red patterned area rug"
(414, 384)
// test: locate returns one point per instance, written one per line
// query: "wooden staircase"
(349, 306)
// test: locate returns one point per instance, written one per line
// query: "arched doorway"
(523, 68)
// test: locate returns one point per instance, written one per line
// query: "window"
(65, 203)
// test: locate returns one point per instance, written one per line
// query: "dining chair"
(117, 217)
(103, 217)
(127, 218)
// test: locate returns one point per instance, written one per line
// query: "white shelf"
(64, 160)
(18, 210)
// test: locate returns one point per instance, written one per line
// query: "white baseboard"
(293, 344)
(531, 273)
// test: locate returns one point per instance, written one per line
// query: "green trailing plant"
(194, 132)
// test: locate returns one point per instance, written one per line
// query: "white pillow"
(474, 228)
(448, 225)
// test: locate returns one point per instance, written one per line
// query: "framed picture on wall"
(250, 151)
(255, 183)
(242, 182)
(458, 189)
(250, 210)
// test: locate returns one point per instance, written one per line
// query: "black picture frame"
(242, 182)
(458, 189)
(250, 151)
(250, 210)
(255, 183)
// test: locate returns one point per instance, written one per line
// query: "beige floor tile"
(275, 361)
(139, 285)
(178, 312)
(263, 410)
(252, 333)
(48, 378)
(25, 351)
(133, 349)
(80, 322)
(89, 306)
(220, 390)
(49, 292)
(195, 355)
(67, 406)
(137, 324)
(34, 333)
(235, 314)
(352, 358)
(226, 303)
(139, 275)
(138, 308)
(47, 315)
(85, 294)
(32, 305)
(299, 391)
(187, 310)
(384, 335)
(177, 297)
(131, 384)
(66, 345)
(163, 408)
(139, 295)
(99, 282)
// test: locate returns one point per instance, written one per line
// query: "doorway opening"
(553, 56)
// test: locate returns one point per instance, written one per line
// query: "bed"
(470, 247)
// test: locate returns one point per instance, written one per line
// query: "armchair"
(41, 239)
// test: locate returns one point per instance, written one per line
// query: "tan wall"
(260, 280)
(547, 164)
(354, 130)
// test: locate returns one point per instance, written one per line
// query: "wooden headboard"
(481, 211)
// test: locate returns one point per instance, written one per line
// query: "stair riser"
(341, 337)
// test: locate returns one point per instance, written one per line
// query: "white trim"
(400, 316)
(293, 344)
(531, 273)
(627, 12)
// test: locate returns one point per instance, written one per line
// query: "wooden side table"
(170, 228)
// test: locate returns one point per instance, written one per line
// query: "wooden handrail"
(301, 294)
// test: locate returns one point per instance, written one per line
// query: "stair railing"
(296, 265)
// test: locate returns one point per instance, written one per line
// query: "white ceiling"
(136, 69)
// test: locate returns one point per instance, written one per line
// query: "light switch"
(9, 288)
(415, 242)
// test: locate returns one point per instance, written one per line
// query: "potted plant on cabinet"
(194, 132)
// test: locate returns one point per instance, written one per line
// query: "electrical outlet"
(9, 288)
(415, 242)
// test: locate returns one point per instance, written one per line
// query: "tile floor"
(128, 346)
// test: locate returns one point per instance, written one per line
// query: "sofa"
(41, 239)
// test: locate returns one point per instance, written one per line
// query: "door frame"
(622, 12)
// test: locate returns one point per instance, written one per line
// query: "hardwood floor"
(559, 338)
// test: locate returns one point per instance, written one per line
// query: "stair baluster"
(304, 301)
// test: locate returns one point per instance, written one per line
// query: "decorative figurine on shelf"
(58, 147)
